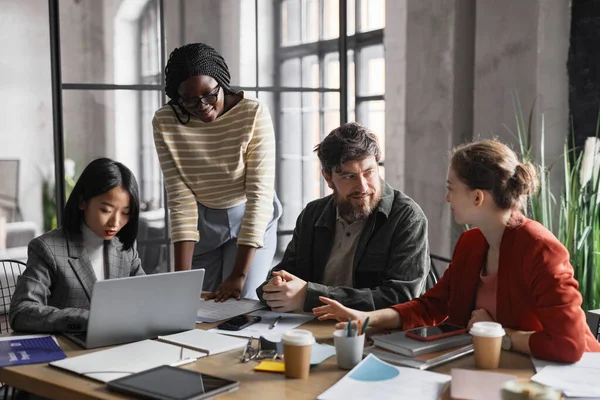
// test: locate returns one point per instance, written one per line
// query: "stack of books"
(398, 349)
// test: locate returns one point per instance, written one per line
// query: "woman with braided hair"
(217, 153)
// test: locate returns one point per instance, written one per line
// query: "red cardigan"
(536, 292)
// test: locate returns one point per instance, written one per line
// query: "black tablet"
(170, 383)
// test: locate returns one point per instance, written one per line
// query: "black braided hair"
(192, 60)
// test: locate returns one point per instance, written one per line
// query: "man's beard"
(353, 210)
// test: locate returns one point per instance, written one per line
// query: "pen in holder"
(348, 349)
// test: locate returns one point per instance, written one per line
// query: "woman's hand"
(479, 315)
(231, 287)
(334, 310)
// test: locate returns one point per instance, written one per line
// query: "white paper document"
(477, 385)
(120, 361)
(211, 311)
(574, 380)
(541, 364)
(203, 341)
(285, 323)
(376, 379)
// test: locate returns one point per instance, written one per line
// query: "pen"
(274, 323)
(183, 362)
(364, 328)
(349, 327)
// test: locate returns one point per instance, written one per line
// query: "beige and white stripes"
(219, 164)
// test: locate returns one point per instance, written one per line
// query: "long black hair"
(194, 59)
(99, 177)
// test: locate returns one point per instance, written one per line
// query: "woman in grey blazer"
(96, 242)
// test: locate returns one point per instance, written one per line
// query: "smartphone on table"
(239, 322)
(427, 333)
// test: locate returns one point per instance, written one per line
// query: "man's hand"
(231, 287)
(285, 292)
(479, 315)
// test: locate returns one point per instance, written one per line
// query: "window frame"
(58, 86)
(321, 48)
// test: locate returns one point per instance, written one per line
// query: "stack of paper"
(574, 380)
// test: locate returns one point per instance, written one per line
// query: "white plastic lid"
(487, 329)
(531, 390)
(298, 337)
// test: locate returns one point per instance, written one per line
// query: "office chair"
(433, 277)
(9, 272)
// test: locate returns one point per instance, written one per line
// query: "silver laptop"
(141, 307)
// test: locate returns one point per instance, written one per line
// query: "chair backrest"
(432, 279)
(9, 272)
(433, 276)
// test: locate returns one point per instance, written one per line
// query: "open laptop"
(141, 307)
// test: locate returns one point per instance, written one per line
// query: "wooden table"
(57, 384)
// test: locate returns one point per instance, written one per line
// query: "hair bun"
(524, 180)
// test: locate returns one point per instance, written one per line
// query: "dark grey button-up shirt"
(390, 264)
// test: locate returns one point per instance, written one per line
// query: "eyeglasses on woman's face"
(194, 102)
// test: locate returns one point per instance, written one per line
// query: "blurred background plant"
(48, 196)
(577, 224)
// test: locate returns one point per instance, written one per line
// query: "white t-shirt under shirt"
(94, 246)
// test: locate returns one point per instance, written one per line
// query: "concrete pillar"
(453, 70)
(505, 64)
(429, 53)
(522, 49)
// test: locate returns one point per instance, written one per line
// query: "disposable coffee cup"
(297, 346)
(348, 349)
(487, 342)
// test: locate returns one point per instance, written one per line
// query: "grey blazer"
(53, 294)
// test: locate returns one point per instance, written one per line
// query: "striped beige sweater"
(220, 165)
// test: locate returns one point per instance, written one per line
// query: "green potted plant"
(48, 196)
(578, 227)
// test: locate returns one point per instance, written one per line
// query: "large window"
(111, 85)
(313, 98)
(288, 53)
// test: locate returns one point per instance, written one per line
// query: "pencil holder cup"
(348, 349)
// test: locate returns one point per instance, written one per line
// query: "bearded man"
(365, 245)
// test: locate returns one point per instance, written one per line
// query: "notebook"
(397, 342)
(203, 341)
(420, 362)
(21, 350)
(120, 361)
